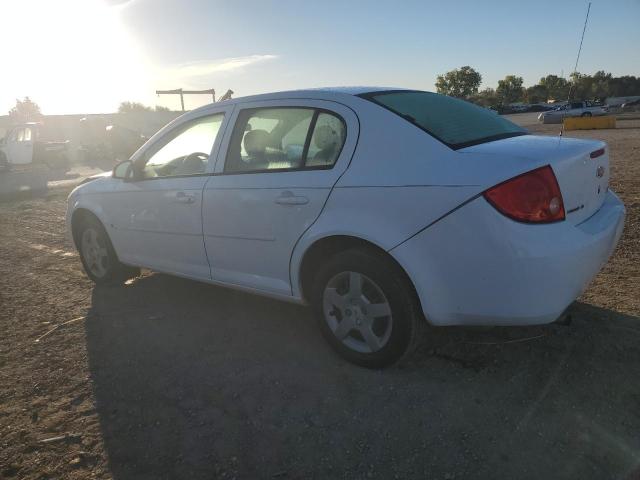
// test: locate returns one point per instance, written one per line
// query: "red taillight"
(531, 197)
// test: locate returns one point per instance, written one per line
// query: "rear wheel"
(98, 257)
(366, 308)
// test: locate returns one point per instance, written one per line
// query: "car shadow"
(195, 381)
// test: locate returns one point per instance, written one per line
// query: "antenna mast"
(575, 67)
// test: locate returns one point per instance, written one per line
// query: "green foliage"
(128, 107)
(26, 110)
(557, 87)
(600, 84)
(580, 86)
(624, 86)
(486, 98)
(536, 94)
(510, 89)
(461, 82)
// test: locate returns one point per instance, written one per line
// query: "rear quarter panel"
(400, 180)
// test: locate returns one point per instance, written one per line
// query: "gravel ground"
(168, 378)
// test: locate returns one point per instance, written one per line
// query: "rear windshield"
(454, 122)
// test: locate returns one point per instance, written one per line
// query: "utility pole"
(182, 93)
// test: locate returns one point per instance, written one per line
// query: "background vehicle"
(22, 146)
(631, 106)
(364, 204)
(540, 107)
(573, 109)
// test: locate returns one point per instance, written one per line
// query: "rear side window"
(454, 122)
(284, 139)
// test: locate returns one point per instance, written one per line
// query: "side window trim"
(317, 111)
(307, 142)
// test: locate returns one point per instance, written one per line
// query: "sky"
(86, 56)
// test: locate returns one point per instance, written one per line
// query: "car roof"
(326, 93)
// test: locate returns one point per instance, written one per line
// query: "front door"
(156, 219)
(281, 161)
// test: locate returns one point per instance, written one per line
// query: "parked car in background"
(573, 109)
(384, 210)
(22, 146)
(540, 107)
(631, 106)
(519, 108)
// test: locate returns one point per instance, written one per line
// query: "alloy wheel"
(357, 312)
(94, 253)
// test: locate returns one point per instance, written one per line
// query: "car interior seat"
(255, 144)
(326, 139)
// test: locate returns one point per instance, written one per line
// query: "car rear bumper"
(477, 267)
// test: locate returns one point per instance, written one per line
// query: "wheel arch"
(79, 215)
(324, 247)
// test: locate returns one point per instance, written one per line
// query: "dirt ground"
(168, 378)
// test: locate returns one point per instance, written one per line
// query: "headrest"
(325, 137)
(255, 141)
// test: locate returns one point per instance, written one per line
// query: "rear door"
(274, 173)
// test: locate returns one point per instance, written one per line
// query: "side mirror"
(124, 170)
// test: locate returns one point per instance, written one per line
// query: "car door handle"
(182, 197)
(288, 198)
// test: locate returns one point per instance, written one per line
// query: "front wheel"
(366, 308)
(98, 257)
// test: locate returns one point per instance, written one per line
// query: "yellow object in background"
(589, 123)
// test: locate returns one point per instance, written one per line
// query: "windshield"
(454, 122)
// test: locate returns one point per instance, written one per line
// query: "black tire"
(586, 114)
(392, 282)
(114, 272)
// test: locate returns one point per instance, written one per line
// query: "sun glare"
(70, 56)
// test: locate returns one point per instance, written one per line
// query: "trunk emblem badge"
(600, 171)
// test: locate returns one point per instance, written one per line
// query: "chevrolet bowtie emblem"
(600, 171)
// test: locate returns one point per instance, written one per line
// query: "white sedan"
(383, 209)
(573, 109)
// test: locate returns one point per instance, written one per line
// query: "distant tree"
(557, 87)
(160, 108)
(510, 89)
(485, 98)
(26, 110)
(128, 107)
(625, 86)
(580, 86)
(461, 82)
(536, 94)
(600, 85)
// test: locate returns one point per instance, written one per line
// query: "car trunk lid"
(580, 166)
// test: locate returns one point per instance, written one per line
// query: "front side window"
(282, 139)
(187, 153)
(454, 122)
